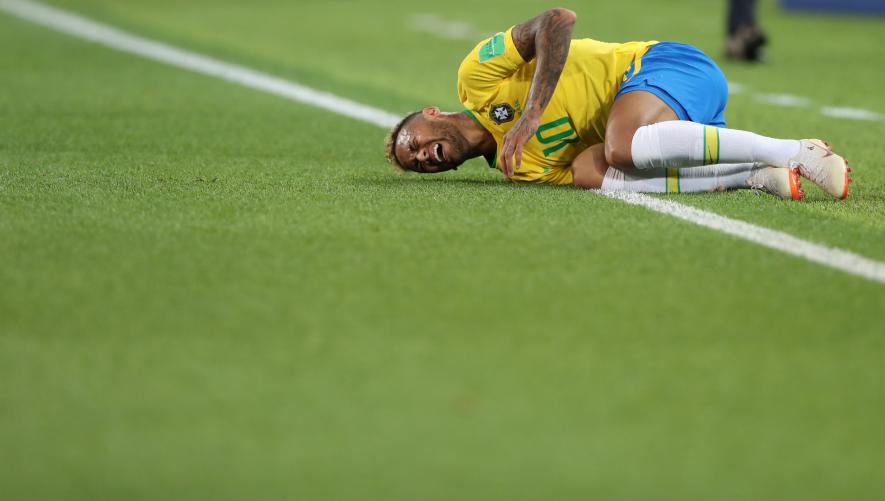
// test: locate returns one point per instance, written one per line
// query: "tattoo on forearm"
(524, 38)
(548, 38)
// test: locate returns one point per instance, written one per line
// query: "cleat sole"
(824, 171)
(796, 192)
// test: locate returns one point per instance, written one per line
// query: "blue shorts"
(683, 77)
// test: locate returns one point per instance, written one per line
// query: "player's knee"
(617, 154)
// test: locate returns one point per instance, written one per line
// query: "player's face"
(430, 142)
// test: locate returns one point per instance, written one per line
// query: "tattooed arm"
(546, 37)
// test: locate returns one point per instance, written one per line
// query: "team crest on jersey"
(501, 113)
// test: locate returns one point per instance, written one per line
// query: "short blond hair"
(390, 141)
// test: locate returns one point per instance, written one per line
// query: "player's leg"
(590, 170)
(629, 112)
(635, 138)
(679, 81)
(688, 144)
(589, 167)
(740, 13)
(745, 39)
(780, 182)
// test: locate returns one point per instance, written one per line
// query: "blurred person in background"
(746, 41)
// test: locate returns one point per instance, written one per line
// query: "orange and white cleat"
(817, 162)
(778, 181)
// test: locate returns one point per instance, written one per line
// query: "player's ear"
(431, 112)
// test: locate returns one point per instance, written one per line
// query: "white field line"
(828, 256)
(736, 88)
(106, 35)
(453, 30)
(852, 113)
(782, 100)
(792, 101)
(103, 34)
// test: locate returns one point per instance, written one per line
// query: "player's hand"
(514, 142)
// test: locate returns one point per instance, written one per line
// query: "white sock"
(690, 180)
(679, 144)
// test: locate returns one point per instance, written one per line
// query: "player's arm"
(546, 38)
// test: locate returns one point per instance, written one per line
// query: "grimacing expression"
(430, 144)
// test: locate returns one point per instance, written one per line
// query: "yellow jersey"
(494, 83)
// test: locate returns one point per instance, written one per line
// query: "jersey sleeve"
(485, 67)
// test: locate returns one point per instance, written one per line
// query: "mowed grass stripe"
(82, 27)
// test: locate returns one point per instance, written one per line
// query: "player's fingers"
(502, 159)
(506, 155)
(518, 155)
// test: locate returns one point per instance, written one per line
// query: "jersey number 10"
(559, 140)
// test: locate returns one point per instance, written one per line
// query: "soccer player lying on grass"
(639, 116)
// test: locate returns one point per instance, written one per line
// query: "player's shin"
(671, 180)
(679, 144)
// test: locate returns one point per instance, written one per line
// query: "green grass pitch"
(207, 292)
